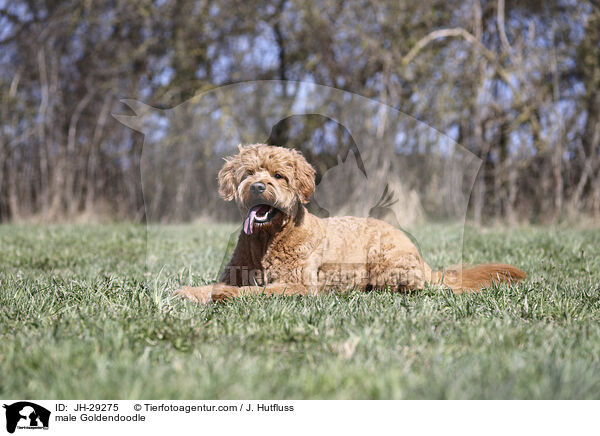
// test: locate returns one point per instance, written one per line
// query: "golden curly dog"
(284, 249)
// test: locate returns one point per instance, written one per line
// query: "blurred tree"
(515, 82)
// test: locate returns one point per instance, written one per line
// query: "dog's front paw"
(200, 294)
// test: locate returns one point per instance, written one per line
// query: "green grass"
(82, 316)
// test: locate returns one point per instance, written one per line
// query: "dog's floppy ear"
(227, 180)
(305, 178)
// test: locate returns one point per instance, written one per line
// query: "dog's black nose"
(257, 188)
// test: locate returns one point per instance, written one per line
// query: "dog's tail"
(473, 278)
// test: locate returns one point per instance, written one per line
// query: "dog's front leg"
(199, 294)
(221, 291)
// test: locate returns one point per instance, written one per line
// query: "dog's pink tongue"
(249, 221)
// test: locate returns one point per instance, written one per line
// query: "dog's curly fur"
(292, 251)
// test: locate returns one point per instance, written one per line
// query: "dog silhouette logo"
(26, 415)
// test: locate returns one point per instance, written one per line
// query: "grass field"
(81, 317)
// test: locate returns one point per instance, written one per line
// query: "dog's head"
(268, 184)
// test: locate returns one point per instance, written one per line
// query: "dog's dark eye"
(278, 176)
